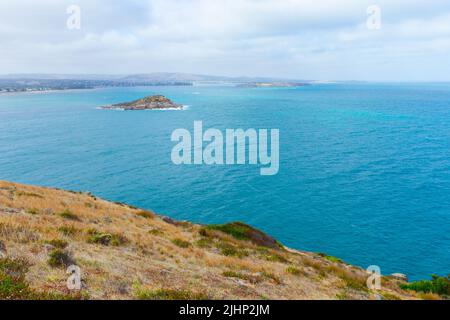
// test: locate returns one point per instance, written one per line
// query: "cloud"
(319, 39)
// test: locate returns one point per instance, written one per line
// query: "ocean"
(364, 169)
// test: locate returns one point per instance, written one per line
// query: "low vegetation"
(330, 258)
(168, 294)
(117, 246)
(181, 243)
(13, 284)
(230, 250)
(245, 277)
(106, 239)
(294, 271)
(59, 258)
(58, 243)
(33, 211)
(241, 231)
(68, 231)
(28, 194)
(145, 214)
(69, 215)
(12, 279)
(437, 285)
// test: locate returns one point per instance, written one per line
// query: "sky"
(295, 39)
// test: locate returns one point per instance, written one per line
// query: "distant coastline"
(275, 84)
(44, 83)
(52, 85)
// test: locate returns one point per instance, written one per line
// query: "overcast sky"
(299, 39)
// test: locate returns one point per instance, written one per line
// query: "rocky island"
(157, 102)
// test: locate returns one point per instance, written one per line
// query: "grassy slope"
(127, 253)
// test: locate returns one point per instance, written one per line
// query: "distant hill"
(45, 82)
(147, 77)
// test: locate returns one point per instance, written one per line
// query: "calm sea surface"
(364, 168)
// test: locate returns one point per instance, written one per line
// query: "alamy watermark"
(74, 279)
(374, 17)
(74, 20)
(233, 147)
(374, 280)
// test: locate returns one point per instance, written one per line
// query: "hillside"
(128, 253)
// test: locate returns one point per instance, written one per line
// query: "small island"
(157, 102)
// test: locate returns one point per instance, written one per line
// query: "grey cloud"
(319, 39)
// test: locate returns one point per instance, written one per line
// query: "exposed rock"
(48, 247)
(148, 103)
(7, 210)
(122, 288)
(169, 220)
(400, 277)
(3, 251)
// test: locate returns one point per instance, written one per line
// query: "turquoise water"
(364, 169)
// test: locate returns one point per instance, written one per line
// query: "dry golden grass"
(125, 253)
(429, 296)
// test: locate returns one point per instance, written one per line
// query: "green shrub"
(437, 285)
(293, 270)
(68, 230)
(246, 277)
(204, 243)
(33, 211)
(241, 231)
(429, 296)
(237, 230)
(12, 279)
(58, 243)
(168, 294)
(230, 251)
(352, 279)
(263, 250)
(59, 258)
(233, 274)
(155, 232)
(330, 258)
(145, 214)
(13, 267)
(275, 258)
(204, 232)
(29, 194)
(389, 296)
(69, 215)
(181, 243)
(271, 276)
(342, 295)
(106, 239)
(13, 285)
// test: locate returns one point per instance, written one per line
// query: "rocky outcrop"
(400, 277)
(3, 251)
(148, 103)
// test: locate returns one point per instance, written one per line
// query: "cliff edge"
(127, 253)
